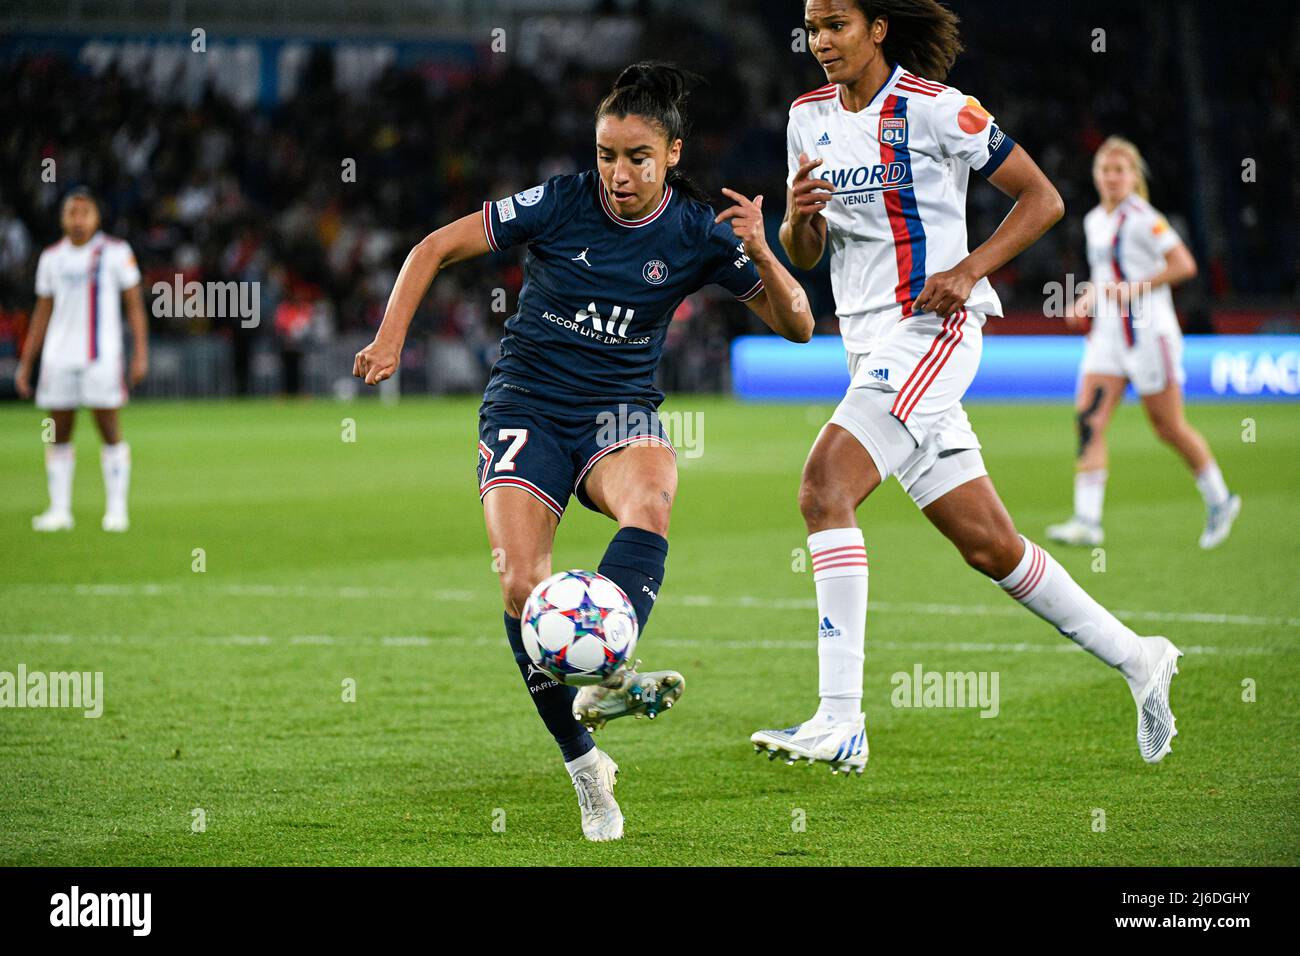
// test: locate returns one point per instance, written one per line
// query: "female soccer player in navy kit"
(896, 148)
(612, 252)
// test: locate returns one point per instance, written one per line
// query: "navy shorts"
(548, 452)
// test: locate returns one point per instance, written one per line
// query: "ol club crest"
(893, 131)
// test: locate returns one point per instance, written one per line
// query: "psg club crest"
(655, 272)
(893, 131)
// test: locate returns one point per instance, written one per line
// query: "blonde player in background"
(1135, 258)
(81, 283)
(895, 149)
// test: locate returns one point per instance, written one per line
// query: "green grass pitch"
(329, 560)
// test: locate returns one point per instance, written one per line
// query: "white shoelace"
(585, 782)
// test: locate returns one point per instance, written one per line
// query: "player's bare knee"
(987, 559)
(651, 511)
(824, 504)
(109, 431)
(994, 555)
(811, 505)
(648, 511)
(516, 585)
(1169, 431)
(63, 425)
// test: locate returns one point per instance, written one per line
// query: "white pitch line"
(740, 602)
(1008, 609)
(264, 640)
(1020, 647)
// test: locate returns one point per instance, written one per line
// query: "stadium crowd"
(213, 191)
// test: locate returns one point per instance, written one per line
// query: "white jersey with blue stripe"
(898, 214)
(1129, 244)
(86, 283)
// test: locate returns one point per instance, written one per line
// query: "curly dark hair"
(922, 36)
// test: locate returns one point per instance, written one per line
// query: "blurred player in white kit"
(1134, 337)
(82, 283)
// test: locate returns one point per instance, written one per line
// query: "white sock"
(115, 461)
(839, 563)
(1209, 481)
(60, 463)
(584, 762)
(1047, 589)
(1089, 492)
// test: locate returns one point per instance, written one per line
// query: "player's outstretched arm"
(803, 233)
(782, 304)
(463, 239)
(32, 345)
(1038, 207)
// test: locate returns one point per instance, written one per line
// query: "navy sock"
(634, 561)
(553, 700)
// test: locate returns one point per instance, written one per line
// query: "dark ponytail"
(657, 93)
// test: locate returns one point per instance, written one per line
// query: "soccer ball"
(579, 627)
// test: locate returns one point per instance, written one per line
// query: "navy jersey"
(599, 290)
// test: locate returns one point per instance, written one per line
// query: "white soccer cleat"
(1218, 522)
(1077, 532)
(627, 693)
(53, 521)
(115, 522)
(1156, 724)
(841, 744)
(602, 819)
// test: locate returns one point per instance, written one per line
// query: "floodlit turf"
(328, 560)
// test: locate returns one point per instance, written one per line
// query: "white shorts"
(1151, 362)
(904, 404)
(97, 385)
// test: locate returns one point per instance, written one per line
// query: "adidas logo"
(828, 629)
(825, 140)
(880, 374)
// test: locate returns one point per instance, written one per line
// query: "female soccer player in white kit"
(1135, 257)
(895, 149)
(82, 282)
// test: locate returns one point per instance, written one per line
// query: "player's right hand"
(376, 362)
(23, 381)
(809, 196)
(1079, 313)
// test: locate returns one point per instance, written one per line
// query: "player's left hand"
(23, 380)
(377, 361)
(139, 368)
(746, 219)
(1123, 295)
(944, 293)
